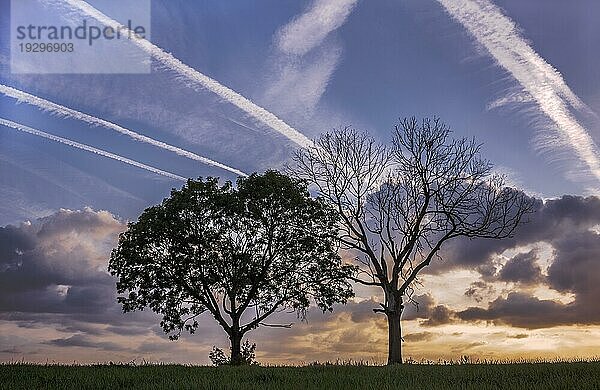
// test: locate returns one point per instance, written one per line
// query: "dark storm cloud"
(525, 311)
(575, 269)
(65, 249)
(53, 275)
(550, 222)
(426, 310)
(12, 240)
(522, 268)
(439, 315)
(423, 308)
(419, 308)
(421, 336)
(518, 336)
(79, 340)
(62, 267)
(361, 311)
(567, 224)
(576, 265)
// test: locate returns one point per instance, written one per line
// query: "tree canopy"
(258, 248)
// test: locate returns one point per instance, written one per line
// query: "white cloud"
(305, 60)
(310, 29)
(510, 99)
(299, 86)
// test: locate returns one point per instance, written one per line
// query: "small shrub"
(219, 358)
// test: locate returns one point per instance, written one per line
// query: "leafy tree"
(240, 254)
(399, 204)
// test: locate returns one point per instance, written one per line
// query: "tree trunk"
(393, 311)
(394, 337)
(236, 335)
(236, 350)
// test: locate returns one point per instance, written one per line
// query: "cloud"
(427, 312)
(54, 271)
(421, 336)
(551, 221)
(55, 292)
(525, 311)
(79, 340)
(309, 29)
(522, 268)
(510, 99)
(518, 336)
(576, 266)
(58, 264)
(299, 84)
(569, 226)
(423, 307)
(540, 82)
(439, 315)
(305, 59)
(479, 290)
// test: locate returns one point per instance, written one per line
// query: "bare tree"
(399, 205)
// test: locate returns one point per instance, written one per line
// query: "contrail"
(194, 76)
(55, 108)
(240, 124)
(500, 36)
(87, 148)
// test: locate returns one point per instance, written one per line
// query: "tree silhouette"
(398, 205)
(257, 249)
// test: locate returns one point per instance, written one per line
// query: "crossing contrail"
(191, 74)
(29, 130)
(55, 108)
(544, 84)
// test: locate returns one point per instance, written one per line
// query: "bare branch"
(287, 326)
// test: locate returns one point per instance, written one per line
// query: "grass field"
(580, 375)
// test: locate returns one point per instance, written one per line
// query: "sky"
(235, 87)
